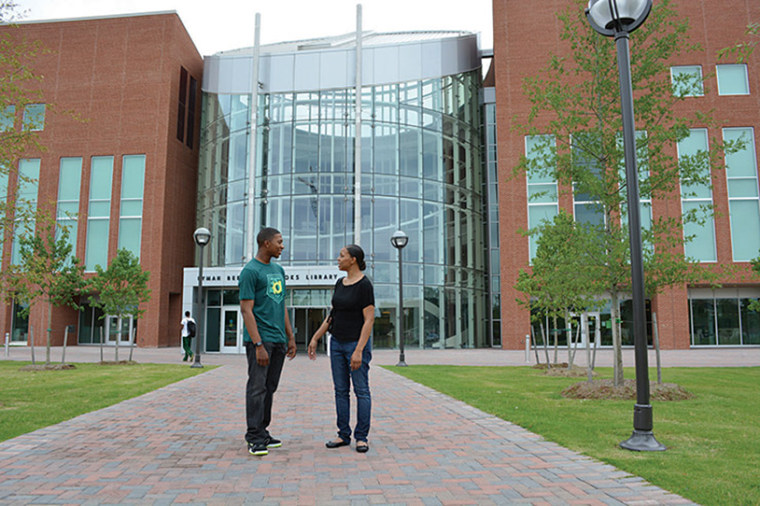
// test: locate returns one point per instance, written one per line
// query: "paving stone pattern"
(184, 444)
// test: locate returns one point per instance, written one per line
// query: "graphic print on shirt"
(275, 287)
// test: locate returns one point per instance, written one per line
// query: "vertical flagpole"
(250, 231)
(358, 131)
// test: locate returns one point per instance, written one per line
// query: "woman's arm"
(369, 320)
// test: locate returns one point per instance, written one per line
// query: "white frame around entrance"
(238, 346)
(111, 336)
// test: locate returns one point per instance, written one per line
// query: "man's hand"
(291, 354)
(262, 357)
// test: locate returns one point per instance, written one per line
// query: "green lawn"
(713, 440)
(32, 400)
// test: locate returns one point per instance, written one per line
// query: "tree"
(561, 279)
(575, 116)
(18, 131)
(47, 272)
(121, 288)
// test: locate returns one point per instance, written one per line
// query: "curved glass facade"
(421, 172)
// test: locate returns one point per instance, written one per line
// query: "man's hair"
(266, 234)
(187, 313)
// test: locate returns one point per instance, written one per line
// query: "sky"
(219, 25)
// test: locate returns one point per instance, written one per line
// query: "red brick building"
(127, 169)
(525, 33)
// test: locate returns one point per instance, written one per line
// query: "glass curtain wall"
(422, 172)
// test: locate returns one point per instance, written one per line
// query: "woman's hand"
(313, 348)
(356, 359)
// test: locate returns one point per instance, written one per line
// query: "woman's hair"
(358, 253)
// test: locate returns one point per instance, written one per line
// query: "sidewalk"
(700, 357)
(184, 444)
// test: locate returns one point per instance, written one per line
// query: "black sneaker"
(273, 443)
(258, 449)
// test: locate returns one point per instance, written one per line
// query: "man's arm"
(246, 308)
(289, 332)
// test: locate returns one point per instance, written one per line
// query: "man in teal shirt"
(268, 337)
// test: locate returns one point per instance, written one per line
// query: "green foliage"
(741, 51)
(122, 287)
(713, 440)
(576, 119)
(563, 277)
(30, 400)
(19, 87)
(47, 270)
(576, 101)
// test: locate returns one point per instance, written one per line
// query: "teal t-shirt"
(265, 285)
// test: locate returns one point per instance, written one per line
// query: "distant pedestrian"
(350, 323)
(188, 333)
(268, 337)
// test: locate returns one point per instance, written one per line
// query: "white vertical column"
(358, 133)
(250, 230)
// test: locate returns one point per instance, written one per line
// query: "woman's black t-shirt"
(348, 302)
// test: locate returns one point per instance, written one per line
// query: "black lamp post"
(399, 240)
(202, 237)
(618, 18)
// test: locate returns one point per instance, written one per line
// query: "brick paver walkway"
(184, 444)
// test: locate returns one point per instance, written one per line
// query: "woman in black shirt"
(350, 323)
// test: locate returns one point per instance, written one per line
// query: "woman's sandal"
(337, 444)
(362, 447)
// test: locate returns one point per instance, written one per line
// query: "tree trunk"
(49, 332)
(545, 337)
(116, 348)
(556, 339)
(31, 340)
(568, 339)
(597, 338)
(131, 344)
(656, 339)
(589, 365)
(616, 340)
(534, 344)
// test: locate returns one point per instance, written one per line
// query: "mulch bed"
(47, 367)
(605, 389)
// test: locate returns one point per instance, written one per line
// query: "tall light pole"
(202, 237)
(618, 18)
(399, 240)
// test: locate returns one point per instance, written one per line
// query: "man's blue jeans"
(340, 360)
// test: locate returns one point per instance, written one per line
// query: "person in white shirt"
(188, 332)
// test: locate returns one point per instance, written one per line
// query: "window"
(130, 216)
(182, 106)
(743, 201)
(586, 207)
(732, 79)
(34, 117)
(99, 212)
(542, 187)
(7, 118)
(696, 200)
(191, 112)
(69, 182)
(645, 201)
(28, 184)
(723, 318)
(687, 81)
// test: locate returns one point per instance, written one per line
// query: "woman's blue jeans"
(340, 361)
